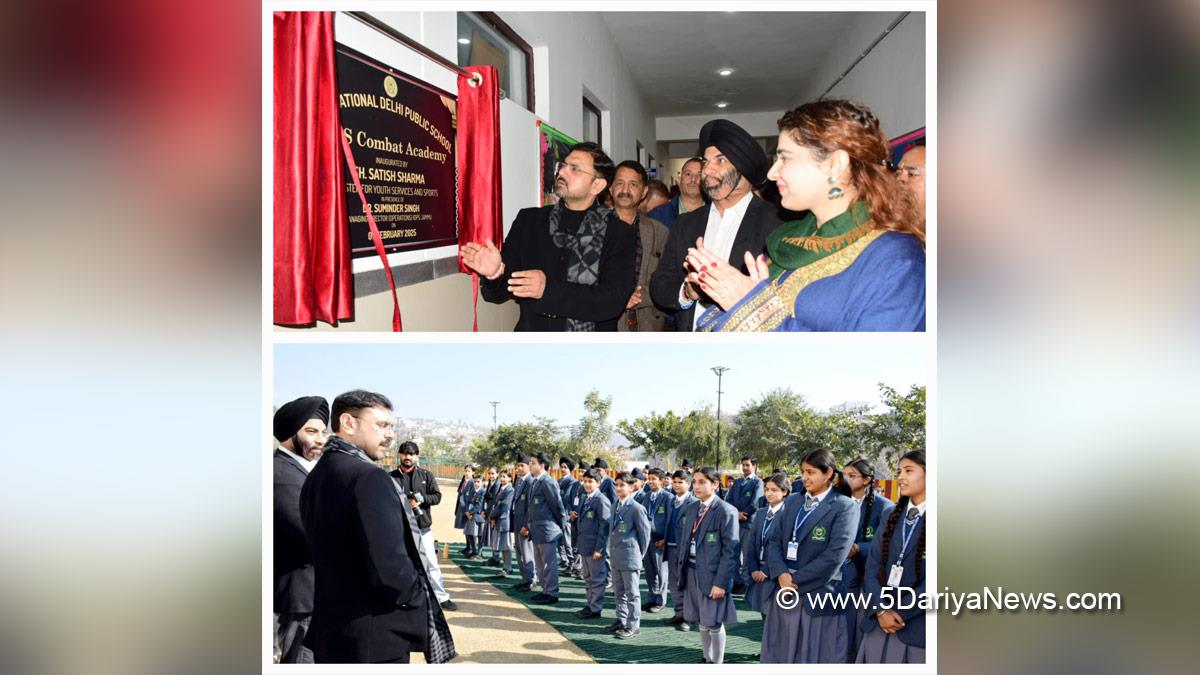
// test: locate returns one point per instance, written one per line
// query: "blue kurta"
(882, 289)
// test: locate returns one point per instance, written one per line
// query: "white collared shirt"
(920, 508)
(772, 510)
(817, 498)
(719, 234)
(304, 463)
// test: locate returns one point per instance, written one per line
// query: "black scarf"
(583, 250)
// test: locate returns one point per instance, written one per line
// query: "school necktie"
(912, 514)
(809, 503)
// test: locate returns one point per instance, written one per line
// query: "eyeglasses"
(559, 166)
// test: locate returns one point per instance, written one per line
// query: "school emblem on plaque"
(818, 533)
(389, 86)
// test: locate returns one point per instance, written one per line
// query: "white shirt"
(304, 463)
(920, 508)
(773, 509)
(817, 498)
(719, 233)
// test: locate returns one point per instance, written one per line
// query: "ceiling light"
(722, 104)
(464, 41)
(725, 72)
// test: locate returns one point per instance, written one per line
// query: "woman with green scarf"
(856, 262)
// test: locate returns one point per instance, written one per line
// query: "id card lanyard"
(695, 529)
(793, 549)
(906, 533)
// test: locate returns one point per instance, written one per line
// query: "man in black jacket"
(370, 604)
(299, 426)
(571, 266)
(737, 222)
(421, 489)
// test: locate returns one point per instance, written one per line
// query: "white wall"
(574, 53)
(890, 80)
(687, 128)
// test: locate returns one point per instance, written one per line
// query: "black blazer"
(529, 246)
(293, 564)
(760, 219)
(370, 602)
(424, 483)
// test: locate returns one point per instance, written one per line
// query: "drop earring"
(835, 192)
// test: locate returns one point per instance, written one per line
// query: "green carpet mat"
(658, 641)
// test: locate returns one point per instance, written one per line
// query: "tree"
(500, 447)
(592, 433)
(901, 427)
(657, 435)
(778, 428)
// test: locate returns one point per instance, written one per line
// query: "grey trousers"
(627, 597)
(673, 583)
(545, 556)
(655, 566)
(290, 630)
(525, 558)
(595, 573)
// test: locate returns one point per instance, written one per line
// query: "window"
(591, 123)
(641, 153)
(485, 40)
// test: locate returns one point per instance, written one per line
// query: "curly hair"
(830, 124)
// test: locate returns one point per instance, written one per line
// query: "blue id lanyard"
(800, 521)
(906, 534)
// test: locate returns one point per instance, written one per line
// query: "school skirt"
(795, 636)
(759, 593)
(879, 647)
(460, 520)
(699, 608)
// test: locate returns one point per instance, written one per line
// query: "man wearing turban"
(299, 426)
(734, 224)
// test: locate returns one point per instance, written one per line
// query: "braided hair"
(917, 456)
(864, 467)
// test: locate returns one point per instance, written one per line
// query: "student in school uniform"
(654, 565)
(501, 520)
(873, 509)
(520, 516)
(543, 526)
(592, 518)
(776, 489)
(489, 500)
(744, 496)
(466, 493)
(575, 504)
(681, 496)
(607, 487)
(897, 559)
(569, 488)
(636, 488)
(475, 521)
(628, 540)
(708, 561)
(805, 555)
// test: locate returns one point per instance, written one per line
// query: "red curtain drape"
(478, 151)
(312, 273)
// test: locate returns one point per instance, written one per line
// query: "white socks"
(712, 643)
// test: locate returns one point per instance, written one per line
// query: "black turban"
(637, 473)
(739, 147)
(291, 417)
(522, 458)
(600, 463)
(585, 467)
(568, 462)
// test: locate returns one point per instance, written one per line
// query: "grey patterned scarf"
(583, 250)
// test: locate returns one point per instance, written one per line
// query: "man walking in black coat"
(372, 601)
(421, 489)
(571, 266)
(299, 426)
(737, 222)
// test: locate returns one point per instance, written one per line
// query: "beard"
(408, 463)
(724, 187)
(305, 448)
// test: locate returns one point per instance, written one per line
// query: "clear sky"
(456, 381)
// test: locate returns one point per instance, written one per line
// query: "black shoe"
(614, 626)
(493, 562)
(626, 634)
(586, 613)
(449, 606)
(537, 596)
(675, 620)
(655, 609)
(500, 575)
(683, 626)
(545, 599)
(703, 660)
(739, 589)
(523, 586)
